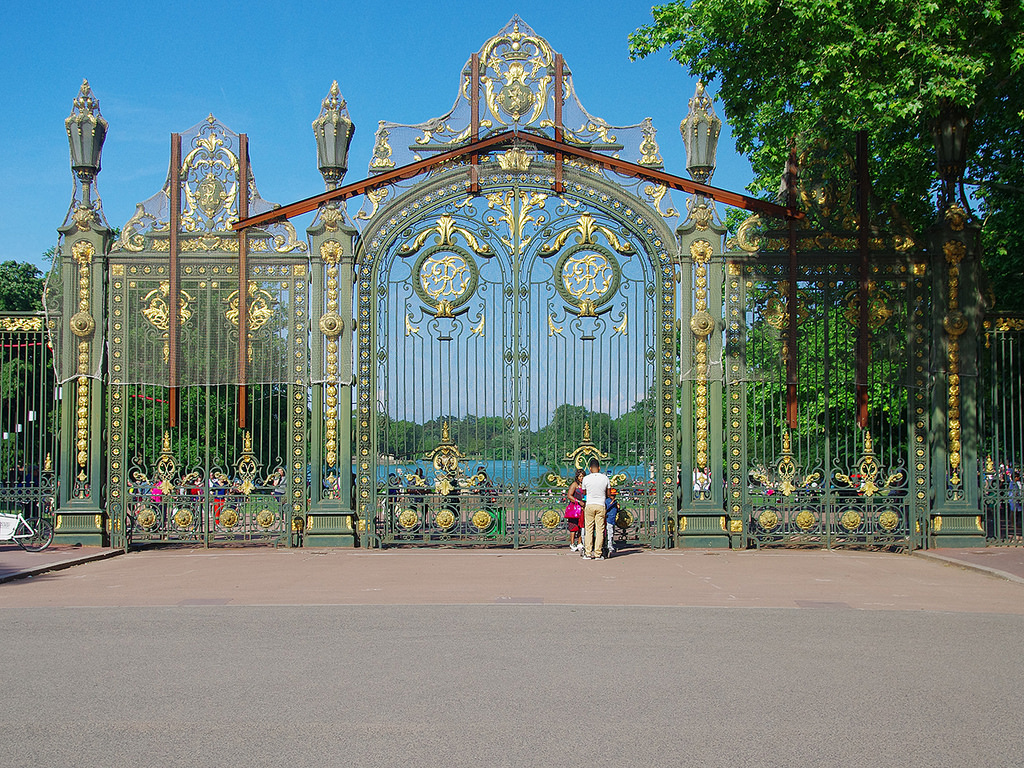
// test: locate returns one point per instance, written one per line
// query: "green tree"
(824, 69)
(21, 287)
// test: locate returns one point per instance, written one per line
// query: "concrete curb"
(969, 566)
(59, 565)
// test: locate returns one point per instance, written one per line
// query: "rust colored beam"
(474, 122)
(243, 282)
(559, 134)
(863, 293)
(792, 361)
(173, 287)
(623, 167)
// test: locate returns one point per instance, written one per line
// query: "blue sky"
(263, 69)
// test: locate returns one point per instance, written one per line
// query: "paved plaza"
(262, 657)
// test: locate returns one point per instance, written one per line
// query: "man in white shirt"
(596, 487)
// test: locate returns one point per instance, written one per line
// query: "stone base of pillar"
(85, 527)
(329, 529)
(702, 531)
(956, 530)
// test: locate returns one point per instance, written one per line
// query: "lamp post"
(950, 131)
(86, 130)
(700, 130)
(333, 130)
(701, 284)
(330, 521)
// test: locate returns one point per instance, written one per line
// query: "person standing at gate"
(574, 510)
(596, 486)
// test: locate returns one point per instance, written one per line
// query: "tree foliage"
(21, 287)
(824, 69)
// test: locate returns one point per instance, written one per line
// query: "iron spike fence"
(29, 417)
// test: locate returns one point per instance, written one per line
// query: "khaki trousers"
(593, 530)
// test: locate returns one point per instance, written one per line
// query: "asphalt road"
(510, 681)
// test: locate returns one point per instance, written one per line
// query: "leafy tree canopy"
(21, 287)
(824, 69)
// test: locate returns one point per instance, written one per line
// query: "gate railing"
(29, 417)
(1001, 415)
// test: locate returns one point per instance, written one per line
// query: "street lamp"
(86, 130)
(949, 132)
(700, 130)
(333, 131)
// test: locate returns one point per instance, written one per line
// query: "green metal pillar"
(330, 521)
(85, 240)
(957, 309)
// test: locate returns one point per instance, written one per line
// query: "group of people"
(590, 513)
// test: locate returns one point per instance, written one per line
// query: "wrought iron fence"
(29, 417)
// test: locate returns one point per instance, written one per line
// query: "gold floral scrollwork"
(330, 251)
(146, 518)
(851, 520)
(805, 520)
(82, 252)
(879, 302)
(649, 152)
(514, 159)
(550, 519)
(746, 235)
(21, 323)
(381, 160)
(888, 520)
(869, 473)
(446, 455)
(331, 325)
(656, 193)
(580, 457)
(955, 323)
(702, 324)
(82, 324)
(247, 468)
(957, 217)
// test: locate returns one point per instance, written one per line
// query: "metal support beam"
(611, 163)
(863, 293)
(559, 96)
(474, 122)
(792, 361)
(173, 317)
(243, 281)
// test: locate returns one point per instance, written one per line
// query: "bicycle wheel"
(42, 535)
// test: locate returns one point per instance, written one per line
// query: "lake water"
(505, 471)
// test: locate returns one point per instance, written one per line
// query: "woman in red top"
(574, 511)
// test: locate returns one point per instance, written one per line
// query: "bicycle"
(32, 535)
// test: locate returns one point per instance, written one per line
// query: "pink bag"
(573, 510)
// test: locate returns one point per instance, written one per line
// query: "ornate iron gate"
(510, 337)
(511, 331)
(819, 450)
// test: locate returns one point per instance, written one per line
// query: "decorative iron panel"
(29, 417)
(828, 482)
(1002, 421)
(503, 340)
